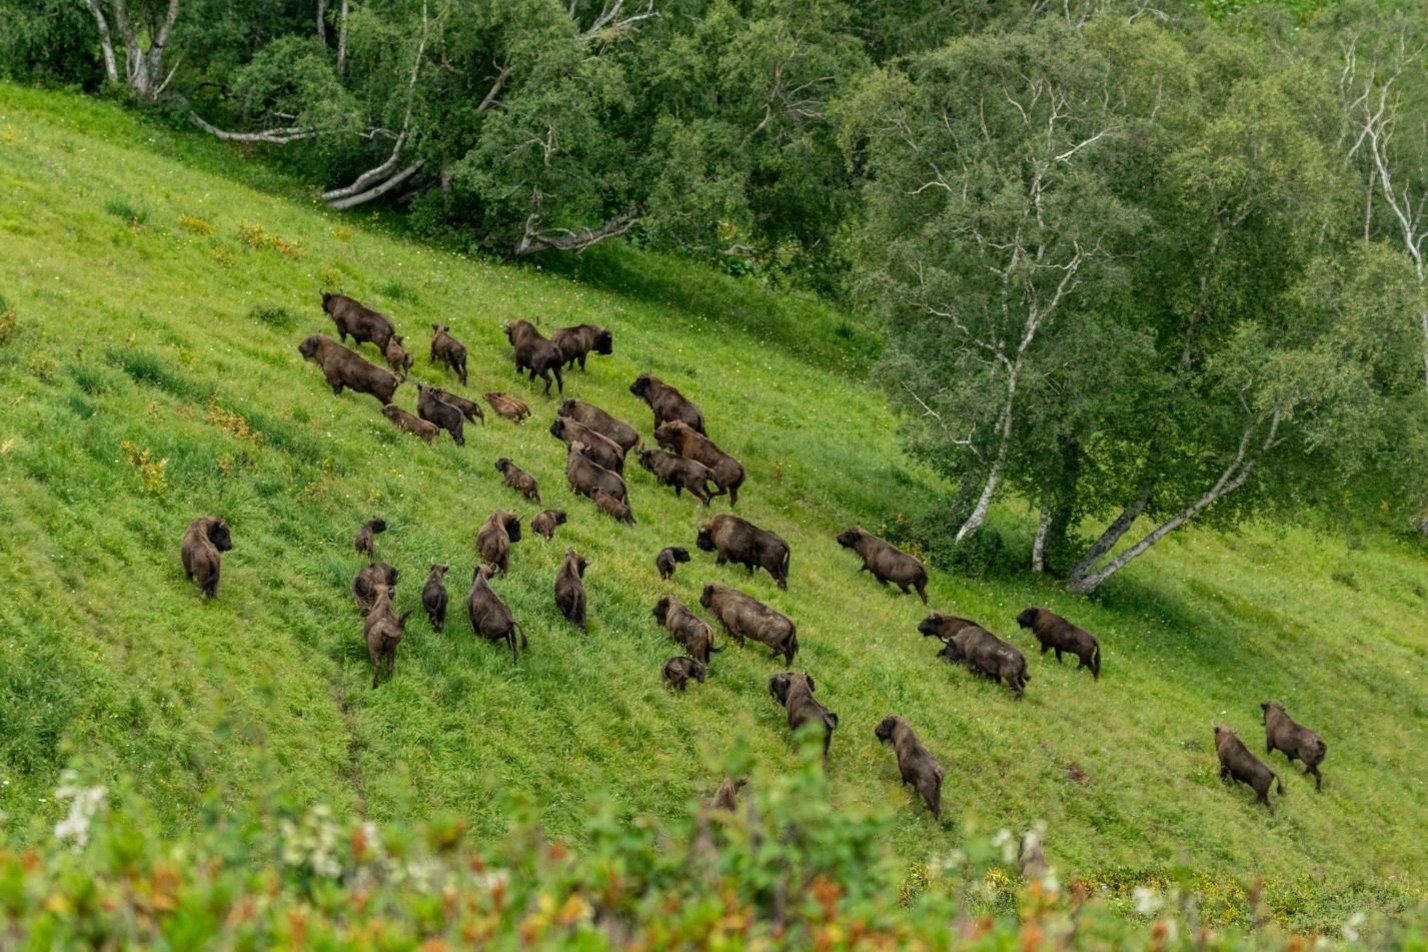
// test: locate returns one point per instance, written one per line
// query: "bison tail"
(1096, 663)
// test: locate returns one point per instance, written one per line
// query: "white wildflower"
(1353, 925)
(1147, 901)
(84, 804)
(1005, 842)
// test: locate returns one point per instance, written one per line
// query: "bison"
(666, 402)
(600, 421)
(688, 630)
(570, 590)
(505, 405)
(971, 645)
(543, 523)
(677, 672)
(412, 424)
(470, 409)
(494, 538)
(1295, 740)
(535, 353)
(667, 558)
(1030, 860)
(575, 343)
(726, 797)
(365, 582)
(885, 561)
(382, 630)
(433, 409)
(1058, 634)
(744, 616)
(204, 538)
(914, 761)
(433, 596)
(743, 543)
(585, 475)
(1238, 763)
(359, 320)
(725, 472)
(490, 617)
(614, 508)
(370, 528)
(680, 473)
(397, 357)
(598, 447)
(795, 693)
(518, 479)
(446, 348)
(344, 368)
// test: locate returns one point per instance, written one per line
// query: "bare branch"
(564, 239)
(275, 136)
(379, 190)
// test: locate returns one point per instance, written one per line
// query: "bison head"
(329, 301)
(931, 626)
(884, 730)
(641, 386)
(671, 434)
(308, 348)
(438, 571)
(578, 559)
(605, 344)
(378, 524)
(503, 464)
(513, 526)
(220, 537)
(699, 670)
(705, 539)
(1267, 706)
(849, 537)
(679, 553)
(707, 596)
(557, 428)
(1027, 618)
(778, 687)
(661, 609)
(647, 459)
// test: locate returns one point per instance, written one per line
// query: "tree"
(144, 32)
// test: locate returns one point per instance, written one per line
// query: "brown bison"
(397, 357)
(365, 582)
(743, 543)
(725, 471)
(344, 368)
(678, 671)
(600, 421)
(1238, 763)
(666, 402)
(795, 693)
(382, 630)
(678, 472)
(614, 508)
(204, 538)
(1058, 634)
(598, 447)
(744, 616)
(370, 528)
(972, 646)
(359, 320)
(543, 523)
(433, 596)
(885, 561)
(448, 349)
(1296, 741)
(412, 424)
(585, 475)
(518, 479)
(914, 761)
(667, 558)
(470, 409)
(570, 589)
(494, 538)
(435, 410)
(727, 796)
(535, 353)
(688, 630)
(490, 617)
(505, 405)
(575, 343)
(1030, 860)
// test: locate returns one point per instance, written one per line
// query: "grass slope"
(137, 333)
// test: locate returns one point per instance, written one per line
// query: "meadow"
(158, 285)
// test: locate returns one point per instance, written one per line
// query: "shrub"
(196, 225)
(274, 315)
(8, 321)
(151, 471)
(120, 208)
(42, 365)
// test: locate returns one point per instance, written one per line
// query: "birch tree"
(142, 31)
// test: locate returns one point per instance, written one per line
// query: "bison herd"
(596, 446)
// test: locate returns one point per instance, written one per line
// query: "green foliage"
(121, 208)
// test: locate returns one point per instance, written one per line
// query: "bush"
(8, 321)
(274, 315)
(131, 214)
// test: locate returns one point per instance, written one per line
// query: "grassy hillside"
(152, 376)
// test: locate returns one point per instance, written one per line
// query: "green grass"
(127, 338)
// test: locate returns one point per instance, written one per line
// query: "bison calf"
(725, 472)
(744, 616)
(614, 508)
(382, 630)
(668, 557)
(397, 357)
(412, 424)
(680, 473)
(1296, 741)
(575, 343)
(470, 409)
(599, 448)
(544, 522)
(204, 538)
(364, 535)
(743, 543)
(626, 436)
(494, 538)
(448, 349)
(518, 479)
(885, 561)
(433, 596)
(795, 693)
(365, 582)
(435, 410)
(677, 672)
(666, 402)
(916, 764)
(1058, 634)
(1238, 763)
(491, 618)
(688, 630)
(570, 589)
(505, 405)
(535, 353)
(969, 644)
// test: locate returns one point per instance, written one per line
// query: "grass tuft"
(130, 213)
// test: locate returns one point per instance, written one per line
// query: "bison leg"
(1318, 778)
(922, 590)
(210, 584)
(1045, 647)
(1058, 655)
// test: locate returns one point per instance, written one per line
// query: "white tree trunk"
(342, 39)
(106, 42)
(1038, 545)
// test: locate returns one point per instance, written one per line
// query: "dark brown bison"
(204, 538)
(518, 479)
(885, 561)
(972, 646)
(365, 582)
(382, 630)
(598, 420)
(448, 349)
(614, 508)
(535, 353)
(1058, 634)
(433, 596)
(490, 617)
(677, 672)
(359, 320)
(678, 472)
(1296, 741)
(494, 538)
(435, 410)
(412, 424)
(470, 409)
(914, 761)
(505, 405)
(344, 368)
(727, 796)
(370, 528)
(397, 357)
(1238, 763)
(575, 343)
(688, 630)
(585, 475)
(725, 471)
(666, 402)
(743, 543)
(667, 558)
(598, 447)
(795, 692)
(543, 523)
(744, 616)
(570, 590)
